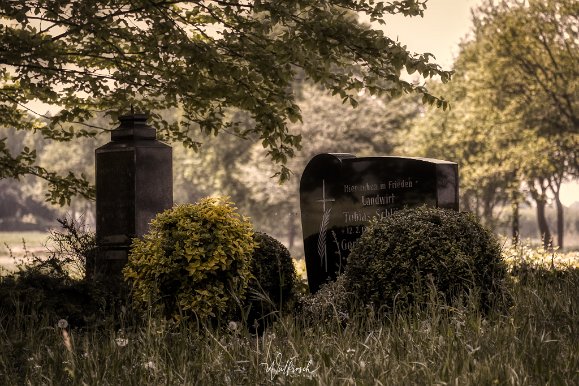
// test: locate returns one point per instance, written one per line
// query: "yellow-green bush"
(195, 259)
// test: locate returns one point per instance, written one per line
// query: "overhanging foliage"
(203, 58)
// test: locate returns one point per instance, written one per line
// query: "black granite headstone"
(340, 194)
(133, 183)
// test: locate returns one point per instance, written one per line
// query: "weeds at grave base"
(65, 254)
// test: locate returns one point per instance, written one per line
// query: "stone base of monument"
(105, 265)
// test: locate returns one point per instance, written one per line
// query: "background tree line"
(512, 127)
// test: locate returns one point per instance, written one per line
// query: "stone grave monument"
(133, 183)
(340, 194)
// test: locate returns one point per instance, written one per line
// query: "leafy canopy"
(514, 125)
(204, 58)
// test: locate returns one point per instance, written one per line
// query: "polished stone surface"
(340, 194)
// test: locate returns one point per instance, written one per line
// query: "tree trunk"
(488, 212)
(555, 185)
(560, 222)
(542, 222)
(540, 198)
(515, 222)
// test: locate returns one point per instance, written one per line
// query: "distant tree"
(513, 126)
(209, 170)
(529, 51)
(18, 198)
(203, 57)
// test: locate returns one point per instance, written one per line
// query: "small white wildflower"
(122, 342)
(232, 326)
(350, 351)
(62, 323)
(150, 365)
(472, 350)
(362, 365)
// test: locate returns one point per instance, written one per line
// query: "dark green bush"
(54, 286)
(400, 259)
(274, 277)
(195, 259)
(80, 302)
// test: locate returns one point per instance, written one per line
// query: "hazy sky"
(439, 32)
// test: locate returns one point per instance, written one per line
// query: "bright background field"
(35, 242)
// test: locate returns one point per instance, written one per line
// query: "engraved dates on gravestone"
(340, 194)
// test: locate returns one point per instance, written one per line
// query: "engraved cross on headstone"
(324, 199)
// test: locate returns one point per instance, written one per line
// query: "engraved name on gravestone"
(340, 194)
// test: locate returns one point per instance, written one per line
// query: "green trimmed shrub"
(400, 259)
(274, 276)
(194, 260)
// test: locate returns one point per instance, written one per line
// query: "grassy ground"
(17, 244)
(14, 240)
(536, 342)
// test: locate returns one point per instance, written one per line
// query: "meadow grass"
(16, 246)
(534, 342)
(32, 239)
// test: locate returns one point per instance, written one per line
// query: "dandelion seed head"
(62, 323)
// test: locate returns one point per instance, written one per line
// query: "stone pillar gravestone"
(133, 183)
(340, 194)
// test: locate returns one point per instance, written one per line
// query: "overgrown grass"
(536, 342)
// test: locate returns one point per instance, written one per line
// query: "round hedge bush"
(401, 258)
(194, 259)
(273, 273)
